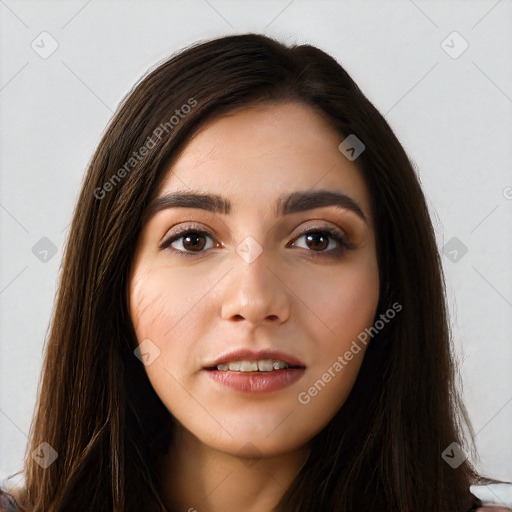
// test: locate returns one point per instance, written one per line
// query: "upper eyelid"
(193, 226)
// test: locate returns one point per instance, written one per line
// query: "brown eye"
(324, 242)
(187, 242)
(317, 242)
(193, 242)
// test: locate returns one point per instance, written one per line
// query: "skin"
(305, 299)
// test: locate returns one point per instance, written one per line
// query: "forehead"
(265, 151)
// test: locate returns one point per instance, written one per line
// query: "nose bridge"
(255, 293)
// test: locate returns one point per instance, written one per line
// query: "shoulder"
(12, 488)
(9, 502)
(493, 508)
(495, 497)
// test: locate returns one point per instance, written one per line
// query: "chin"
(262, 442)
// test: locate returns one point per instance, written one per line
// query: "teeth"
(263, 365)
(248, 366)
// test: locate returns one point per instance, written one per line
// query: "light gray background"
(451, 114)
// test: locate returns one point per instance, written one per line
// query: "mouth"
(247, 366)
(254, 361)
(263, 371)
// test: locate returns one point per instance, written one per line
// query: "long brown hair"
(96, 407)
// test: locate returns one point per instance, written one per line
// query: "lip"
(256, 355)
(256, 382)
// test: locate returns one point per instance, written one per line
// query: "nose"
(256, 292)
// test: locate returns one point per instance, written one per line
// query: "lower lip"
(257, 382)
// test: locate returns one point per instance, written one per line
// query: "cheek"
(353, 305)
(344, 303)
(156, 310)
(148, 306)
(170, 315)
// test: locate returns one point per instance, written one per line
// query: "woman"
(251, 312)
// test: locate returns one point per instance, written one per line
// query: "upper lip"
(256, 355)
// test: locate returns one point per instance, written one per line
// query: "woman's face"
(246, 304)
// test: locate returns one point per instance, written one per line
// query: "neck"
(198, 478)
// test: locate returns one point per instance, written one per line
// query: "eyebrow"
(290, 203)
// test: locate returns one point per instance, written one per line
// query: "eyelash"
(343, 242)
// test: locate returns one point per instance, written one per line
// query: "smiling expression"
(258, 249)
